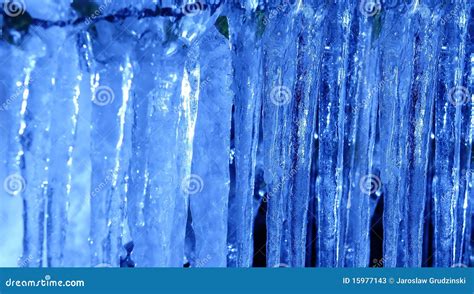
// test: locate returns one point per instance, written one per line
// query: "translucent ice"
(236, 133)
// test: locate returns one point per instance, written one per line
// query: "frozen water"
(236, 133)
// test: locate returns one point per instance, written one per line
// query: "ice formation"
(171, 133)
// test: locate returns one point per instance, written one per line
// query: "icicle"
(247, 64)
(190, 91)
(362, 183)
(466, 191)
(406, 101)
(110, 129)
(190, 97)
(155, 176)
(208, 185)
(279, 41)
(138, 174)
(303, 127)
(420, 105)
(77, 247)
(65, 84)
(159, 208)
(164, 181)
(395, 45)
(331, 133)
(448, 121)
(18, 63)
(34, 138)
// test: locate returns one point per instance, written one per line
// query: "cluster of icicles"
(246, 133)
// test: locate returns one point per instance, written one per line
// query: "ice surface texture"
(236, 133)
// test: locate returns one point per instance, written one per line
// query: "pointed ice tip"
(126, 262)
(129, 247)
